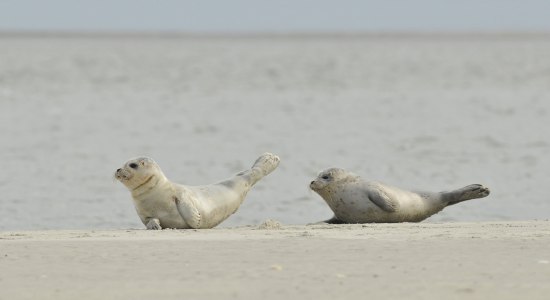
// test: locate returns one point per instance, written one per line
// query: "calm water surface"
(431, 113)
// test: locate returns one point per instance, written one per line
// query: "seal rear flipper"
(382, 200)
(469, 192)
(267, 163)
(189, 213)
(264, 165)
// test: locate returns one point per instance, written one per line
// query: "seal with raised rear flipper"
(354, 200)
(161, 203)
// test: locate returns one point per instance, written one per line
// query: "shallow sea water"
(425, 112)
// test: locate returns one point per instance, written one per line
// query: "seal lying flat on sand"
(354, 200)
(161, 203)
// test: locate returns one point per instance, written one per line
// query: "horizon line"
(270, 34)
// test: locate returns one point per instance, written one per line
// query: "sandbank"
(490, 260)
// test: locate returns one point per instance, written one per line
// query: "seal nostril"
(311, 182)
(118, 170)
(133, 165)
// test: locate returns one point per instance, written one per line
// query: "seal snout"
(314, 185)
(122, 174)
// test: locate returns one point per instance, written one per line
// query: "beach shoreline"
(480, 260)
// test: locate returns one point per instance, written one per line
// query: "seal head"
(139, 174)
(331, 177)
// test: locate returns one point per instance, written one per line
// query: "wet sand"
(491, 260)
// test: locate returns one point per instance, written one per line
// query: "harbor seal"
(354, 200)
(161, 203)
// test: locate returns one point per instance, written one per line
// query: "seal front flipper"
(153, 224)
(382, 200)
(189, 212)
(333, 220)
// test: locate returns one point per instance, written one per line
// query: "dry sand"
(501, 260)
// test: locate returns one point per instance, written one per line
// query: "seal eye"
(325, 177)
(133, 165)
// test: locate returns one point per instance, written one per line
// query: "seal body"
(354, 200)
(161, 203)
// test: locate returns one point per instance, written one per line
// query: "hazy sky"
(276, 15)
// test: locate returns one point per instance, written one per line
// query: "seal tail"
(469, 192)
